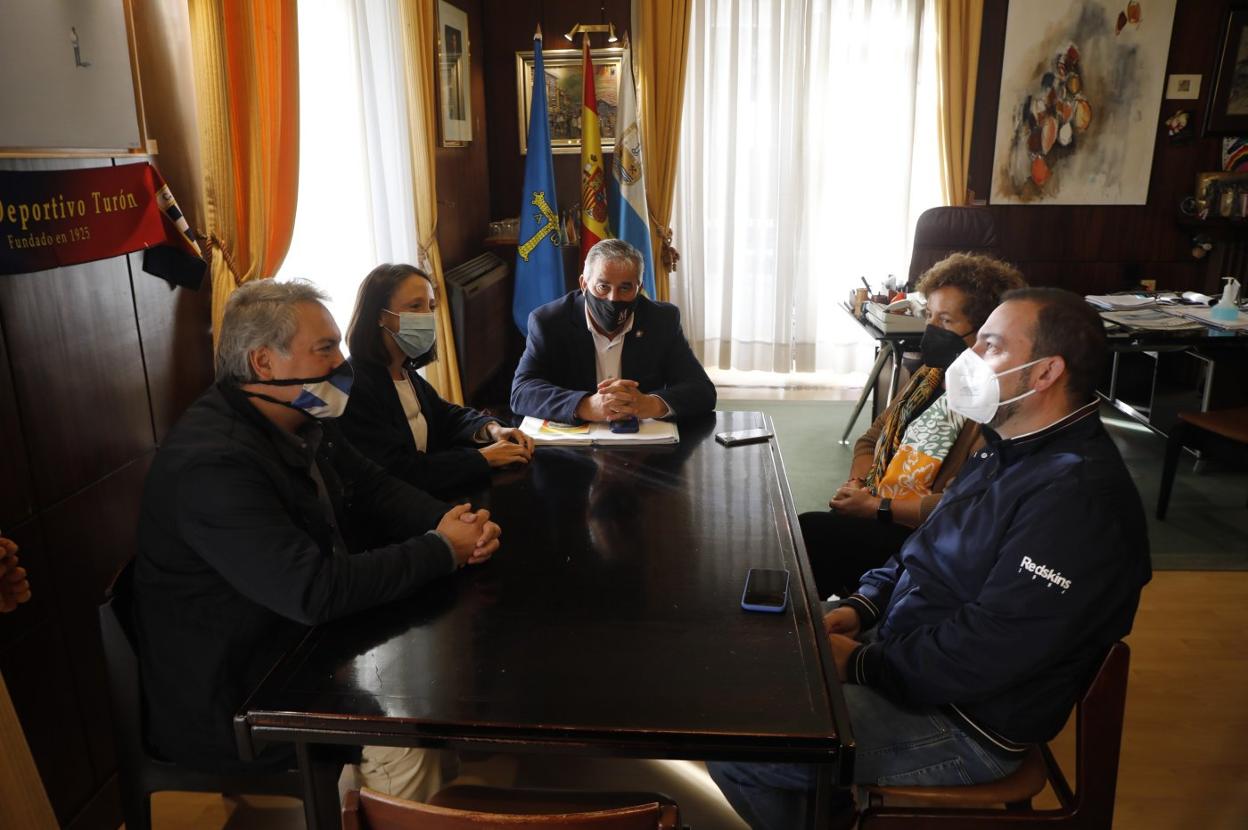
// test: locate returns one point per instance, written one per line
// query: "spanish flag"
(593, 181)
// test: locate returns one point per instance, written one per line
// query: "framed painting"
(1081, 88)
(454, 78)
(1227, 113)
(563, 95)
(70, 87)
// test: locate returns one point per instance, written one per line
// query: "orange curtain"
(246, 61)
(419, 41)
(958, 24)
(660, 51)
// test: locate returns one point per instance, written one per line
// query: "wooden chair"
(477, 808)
(139, 772)
(1098, 737)
(1198, 429)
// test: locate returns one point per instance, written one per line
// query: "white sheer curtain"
(807, 151)
(356, 207)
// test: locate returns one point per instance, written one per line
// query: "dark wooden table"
(609, 623)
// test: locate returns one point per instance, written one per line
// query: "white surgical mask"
(972, 387)
(417, 332)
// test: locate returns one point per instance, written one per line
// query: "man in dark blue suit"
(606, 353)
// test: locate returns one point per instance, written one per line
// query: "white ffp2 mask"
(973, 389)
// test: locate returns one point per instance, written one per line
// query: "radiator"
(479, 294)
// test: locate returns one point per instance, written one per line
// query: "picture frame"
(563, 95)
(1227, 113)
(87, 53)
(454, 76)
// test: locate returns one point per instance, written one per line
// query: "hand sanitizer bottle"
(1226, 309)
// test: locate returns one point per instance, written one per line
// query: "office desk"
(609, 623)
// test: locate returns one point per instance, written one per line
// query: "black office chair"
(140, 773)
(941, 231)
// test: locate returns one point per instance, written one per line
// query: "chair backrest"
(941, 231)
(369, 810)
(122, 663)
(1098, 738)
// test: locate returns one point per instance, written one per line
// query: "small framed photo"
(1183, 87)
(563, 95)
(1227, 113)
(454, 78)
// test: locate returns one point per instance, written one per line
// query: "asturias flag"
(630, 216)
(539, 261)
(593, 181)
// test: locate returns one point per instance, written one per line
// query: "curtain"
(246, 60)
(660, 52)
(804, 158)
(419, 41)
(958, 25)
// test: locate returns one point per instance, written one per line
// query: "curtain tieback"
(668, 255)
(213, 241)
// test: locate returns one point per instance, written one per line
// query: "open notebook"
(551, 433)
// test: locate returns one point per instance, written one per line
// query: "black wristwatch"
(884, 513)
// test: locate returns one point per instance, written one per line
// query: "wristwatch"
(884, 513)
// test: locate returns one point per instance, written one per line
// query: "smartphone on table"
(743, 436)
(625, 425)
(766, 589)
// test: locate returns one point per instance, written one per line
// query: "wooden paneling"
(463, 172)
(16, 497)
(1093, 249)
(77, 371)
(177, 343)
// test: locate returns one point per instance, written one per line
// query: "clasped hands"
(14, 587)
(617, 399)
(854, 499)
(473, 537)
(511, 446)
(842, 626)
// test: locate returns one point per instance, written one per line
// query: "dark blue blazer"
(559, 368)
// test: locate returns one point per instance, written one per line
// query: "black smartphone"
(743, 436)
(630, 424)
(766, 590)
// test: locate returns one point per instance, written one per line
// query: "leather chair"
(1098, 737)
(941, 231)
(140, 773)
(464, 807)
(1197, 430)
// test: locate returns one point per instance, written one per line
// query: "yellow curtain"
(958, 25)
(660, 50)
(23, 801)
(246, 59)
(419, 42)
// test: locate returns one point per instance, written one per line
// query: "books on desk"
(1151, 319)
(1205, 316)
(1118, 302)
(554, 434)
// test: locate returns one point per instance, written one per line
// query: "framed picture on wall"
(563, 95)
(69, 83)
(454, 78)
(1227, 113)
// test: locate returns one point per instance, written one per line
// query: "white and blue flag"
(626, 189)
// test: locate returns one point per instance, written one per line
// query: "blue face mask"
(417, 332)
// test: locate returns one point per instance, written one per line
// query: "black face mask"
(609, 314)
(941, 347)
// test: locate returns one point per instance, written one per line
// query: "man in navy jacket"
(978, 638)
(606, 353)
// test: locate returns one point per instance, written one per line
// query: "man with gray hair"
(258, 520)
(608, 353)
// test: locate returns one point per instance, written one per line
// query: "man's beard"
(1007, 411)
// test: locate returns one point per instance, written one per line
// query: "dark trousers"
(842, 548)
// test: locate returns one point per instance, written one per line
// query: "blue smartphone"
(630, 424)
(766, 590)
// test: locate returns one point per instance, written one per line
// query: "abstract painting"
(1081, 87)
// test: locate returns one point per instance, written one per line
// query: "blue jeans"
(896, 745)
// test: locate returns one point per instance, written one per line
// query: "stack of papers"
(1151, 319)
(1117, 302)
(1205, 316)
(554, 434)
